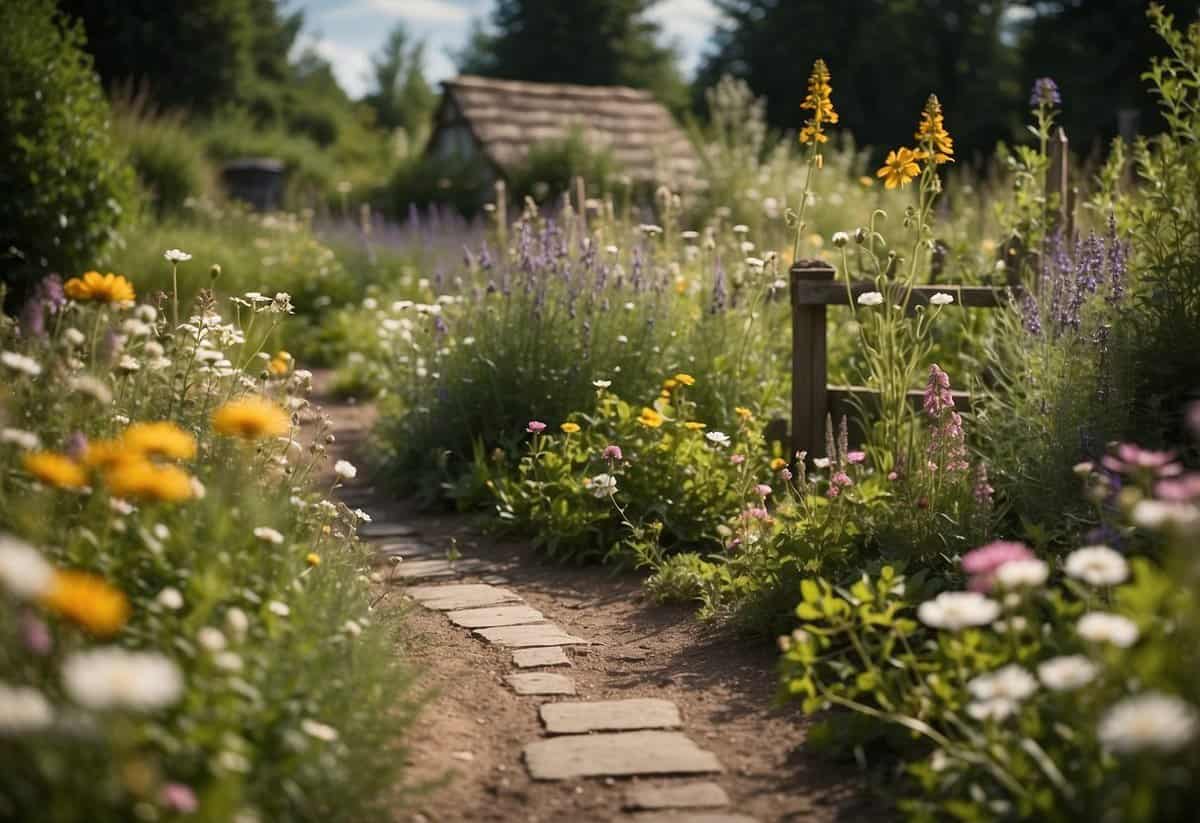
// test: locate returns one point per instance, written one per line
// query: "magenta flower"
(1179, 489)
(535, 427)
(763, 489)
(856, 457)
(841, 479)
(1131, 458)
(612, 452)
(981, 563)
(179, 798)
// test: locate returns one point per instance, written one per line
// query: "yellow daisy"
(251, 418)
(56, 470)
(100, 288)
(900, 167)
(88, 600)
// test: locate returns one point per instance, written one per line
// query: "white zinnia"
(941, 299)
(1066, 673)
(345, 470)
(23, 710)
(821, 462)
(113, 678)
(23, 570)
(1150, 721)
(1157, 514)
(21, 363)
(1022, 573)
(996, 708)
(170, 598)
(1010, 682)
(176, 255)
(1097, 565)
(604, 485)
(1103, 627)
(718, 438)
(268, 535)
(958, 610)
(870, 298)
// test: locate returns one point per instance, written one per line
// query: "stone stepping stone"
(617, 755)
(495, 616)
(540, 656)
(406, 549)
(533, 683)
(610, 716)
(693, 817)
(524, 637)
(374, 530)
(423, 569)
(456, 597)
(687, 796)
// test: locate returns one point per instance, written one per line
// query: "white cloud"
(411, 11)
(351, 63)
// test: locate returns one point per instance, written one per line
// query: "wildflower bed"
(185, 622)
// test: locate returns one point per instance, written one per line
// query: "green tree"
(402, 98)
(886, 57)
(591, 42)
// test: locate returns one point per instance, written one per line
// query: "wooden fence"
(814, 286)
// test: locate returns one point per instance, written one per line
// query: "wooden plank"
(809, 366)
(815, 293)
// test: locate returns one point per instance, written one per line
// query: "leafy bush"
(66, 185)
(185, 624)
(169, 160)
(551, 166)
(422, 182)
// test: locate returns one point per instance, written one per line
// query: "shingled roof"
(506, 117)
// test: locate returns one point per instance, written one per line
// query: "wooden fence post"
(809, 368)
(1058, 182)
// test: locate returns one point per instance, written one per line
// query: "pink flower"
(1130, 458)
(785, 473)
(756, 513)
(179, 798)
(763, 489)
(1180, 489)
(981, 563)
(856, 457)
(893, 476)
(841, 479)
(535, 427)
(36, 634)
(612, 452)
(737, 459)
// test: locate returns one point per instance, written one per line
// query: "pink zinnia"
(856, 457)
(763, 489)
(535, 427)
(179, 798)
(841, 479)
(737, 459)
(612, 452)
(982, 563)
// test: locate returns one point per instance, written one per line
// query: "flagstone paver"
(540, 683)
(385, 529)
(422, 569)
(458, 596)
(540, 656)
(610, 716)
(684, 796)
(495, 616)
(524, 637)
(617, 755)
(406, 549)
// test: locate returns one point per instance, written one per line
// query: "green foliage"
(592, 42)
(551, 167)
(245, 586)
(402, 98)
(66, 185)
(168, 158)
(421, 182)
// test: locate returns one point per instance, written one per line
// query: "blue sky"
(347, 32)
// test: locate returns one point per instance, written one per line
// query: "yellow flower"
(88, 600)
(900, 167)
(56, 470)
(932, 133)
(681, 285)
(312, 559)
(100, 288)
(570, 428)
(865, 181)
(664, 394)
(778, 463)
(670, 383)
(743, 412)
(819, 103)
(694, 425)
(142, 480)
(251, 417)
(107, 454)
(649, 417)
(685, 379)
(160, 439)
(278, 366)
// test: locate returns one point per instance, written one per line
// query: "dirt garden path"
(634, 711)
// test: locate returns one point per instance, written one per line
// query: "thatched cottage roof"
(503, 118)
